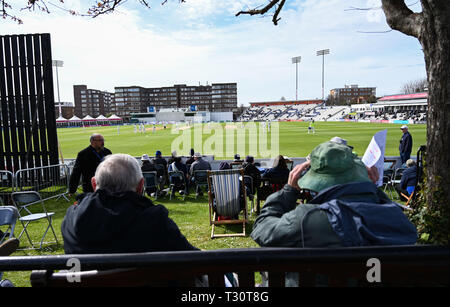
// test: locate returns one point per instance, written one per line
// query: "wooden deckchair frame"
(213, 217)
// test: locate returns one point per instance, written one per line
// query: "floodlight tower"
(57, 64)
(323, 53)
(296, 60)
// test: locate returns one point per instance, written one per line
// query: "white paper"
(374, 154)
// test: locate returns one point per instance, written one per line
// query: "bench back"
(364, 266)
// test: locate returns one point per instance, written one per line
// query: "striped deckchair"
(226, 192)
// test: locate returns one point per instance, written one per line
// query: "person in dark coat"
(406, 143)
(86, 163)
(191, 158)
(161, 168)
(147, 165)
(172, 158)
(408, 181)
(116, 218)
(279, 169)
(251, 170)
(177, 165)
(159, 159)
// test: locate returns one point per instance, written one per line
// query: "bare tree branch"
(399, 17)
(278, 10)
(352, 8)
(99, 8)
(265, 9)
(374, 32)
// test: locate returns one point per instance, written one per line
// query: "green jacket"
(281, 222)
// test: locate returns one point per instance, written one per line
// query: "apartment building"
(352, 93)
(217, 97)
(128, 99)
(91, 101)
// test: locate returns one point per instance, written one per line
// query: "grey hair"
(410, 162)
(118, 173)
(93, 136)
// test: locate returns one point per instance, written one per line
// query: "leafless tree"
(414, 86)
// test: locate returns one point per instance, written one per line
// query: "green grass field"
(293, 139)
(192, 215)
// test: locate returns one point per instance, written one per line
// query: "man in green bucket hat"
(343, 187)
(347, 208)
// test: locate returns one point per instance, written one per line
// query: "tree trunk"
(435, 41)
(431, 28)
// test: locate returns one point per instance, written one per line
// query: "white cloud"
(202, 41)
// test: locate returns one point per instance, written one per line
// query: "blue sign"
(151, 109)
(193, 108)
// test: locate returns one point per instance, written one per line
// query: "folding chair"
(176, 181)
(162, 177)
(408, 198)
(226, 193)
(8, 216)
(395, 179)
(25, 201)
(387, 176)
(200, 180)
(151, 183)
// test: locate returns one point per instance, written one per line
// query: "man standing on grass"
(405, 144)
(311, 127)
(86, 163)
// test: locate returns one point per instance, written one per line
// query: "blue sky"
(201, 41)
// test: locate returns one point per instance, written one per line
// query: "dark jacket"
(409, 177)
(199, 165)
(160, 160)
(85, 166)
(354, 214)
(148, 166)
(251, 170)
(405, 146)
(276, 172)
(120, 223)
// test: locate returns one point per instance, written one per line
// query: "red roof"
(403, 97)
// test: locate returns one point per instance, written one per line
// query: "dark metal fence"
(28, 126)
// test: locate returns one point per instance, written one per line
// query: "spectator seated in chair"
(237, 158)
(408, 181)
(278, 171)
(116, 218)
(175, 166)
(198, 165)
(251, 170)
(147, 165)
(347, 208)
